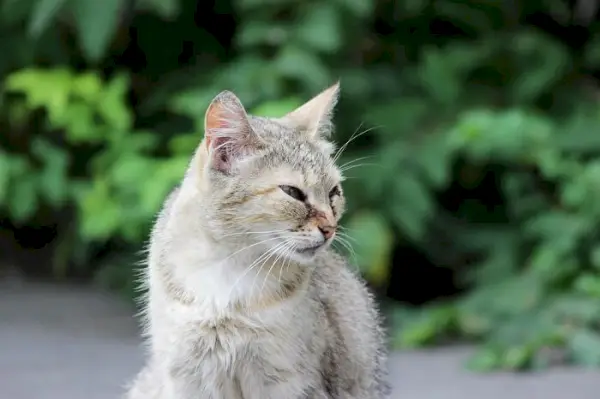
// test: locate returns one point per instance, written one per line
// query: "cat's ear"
(314, 118)
(228, 135)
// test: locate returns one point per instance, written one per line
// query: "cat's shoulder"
(334, 272)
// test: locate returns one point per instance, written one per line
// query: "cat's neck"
(228, 277)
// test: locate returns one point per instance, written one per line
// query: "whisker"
(248, 247)
(253, 232)
(271, 253)
(289, 262)
(283, 251)
(346, 235)
(354, 160)
(336, 245)
(344, 242)
(341, 149)
(354, 136)
(266, 255)
(356, 166)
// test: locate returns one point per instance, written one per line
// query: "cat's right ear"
(228, 135)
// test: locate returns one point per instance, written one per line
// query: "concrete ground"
(63, 342)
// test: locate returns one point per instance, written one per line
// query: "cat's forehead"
(270, 129)
(292, 151)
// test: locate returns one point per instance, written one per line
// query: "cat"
(246, 299)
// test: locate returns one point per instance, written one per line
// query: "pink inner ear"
(214, 120)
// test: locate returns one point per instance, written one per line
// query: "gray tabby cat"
(245, 298)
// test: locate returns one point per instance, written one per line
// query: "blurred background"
(474, 182)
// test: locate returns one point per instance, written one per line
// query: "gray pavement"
(65, 342)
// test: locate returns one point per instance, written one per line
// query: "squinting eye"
(294, 192)
(334, 191)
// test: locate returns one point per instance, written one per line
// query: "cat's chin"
(306, 255)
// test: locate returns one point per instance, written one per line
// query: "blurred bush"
(102, 106)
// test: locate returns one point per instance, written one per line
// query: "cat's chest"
(230, 343)
(235, 332)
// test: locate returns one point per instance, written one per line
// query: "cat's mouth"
(310, 251)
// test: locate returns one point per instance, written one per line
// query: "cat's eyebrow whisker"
(351, 139)
(354, 161)
(356, 165)
(341, 149)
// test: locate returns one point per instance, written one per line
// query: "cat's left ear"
(314, 118)
(228, 134)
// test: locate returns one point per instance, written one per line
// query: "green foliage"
(102, 123)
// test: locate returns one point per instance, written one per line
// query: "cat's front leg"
(192, 386)
(318, 393)
(190, 378)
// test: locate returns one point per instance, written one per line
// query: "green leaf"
(184, 144)
(485, 359)
(23, 199)
(165, 8)
(277, 109)
(5, 174)
(96, 23)
(113, 105)
(592, 52)
(373, 240)
(16, 11)
(439, 78)
(53, 182)
(167, 174)
(360, 8)
(78, 121)
(595, 257)
(412, 7)
(588, 284)
(320, 28)
(517, 357)
(48, 89)
(190, 103)
(100, 215)
(254, 33)
(578, 136)
(43, 14)
(420, 328)
(584, 345)
(434, 157)
(88, 86)
(575, 309)
(399, 117)
(299, 63)
(250, 4)
(546, 62)
(412, 205)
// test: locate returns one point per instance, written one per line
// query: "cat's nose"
(325, 222)
(327, 231)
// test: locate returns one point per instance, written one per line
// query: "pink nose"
(327, 231)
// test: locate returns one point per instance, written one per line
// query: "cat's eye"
(334, 191)
(294, 192)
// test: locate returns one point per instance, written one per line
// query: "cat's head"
(271, 182)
